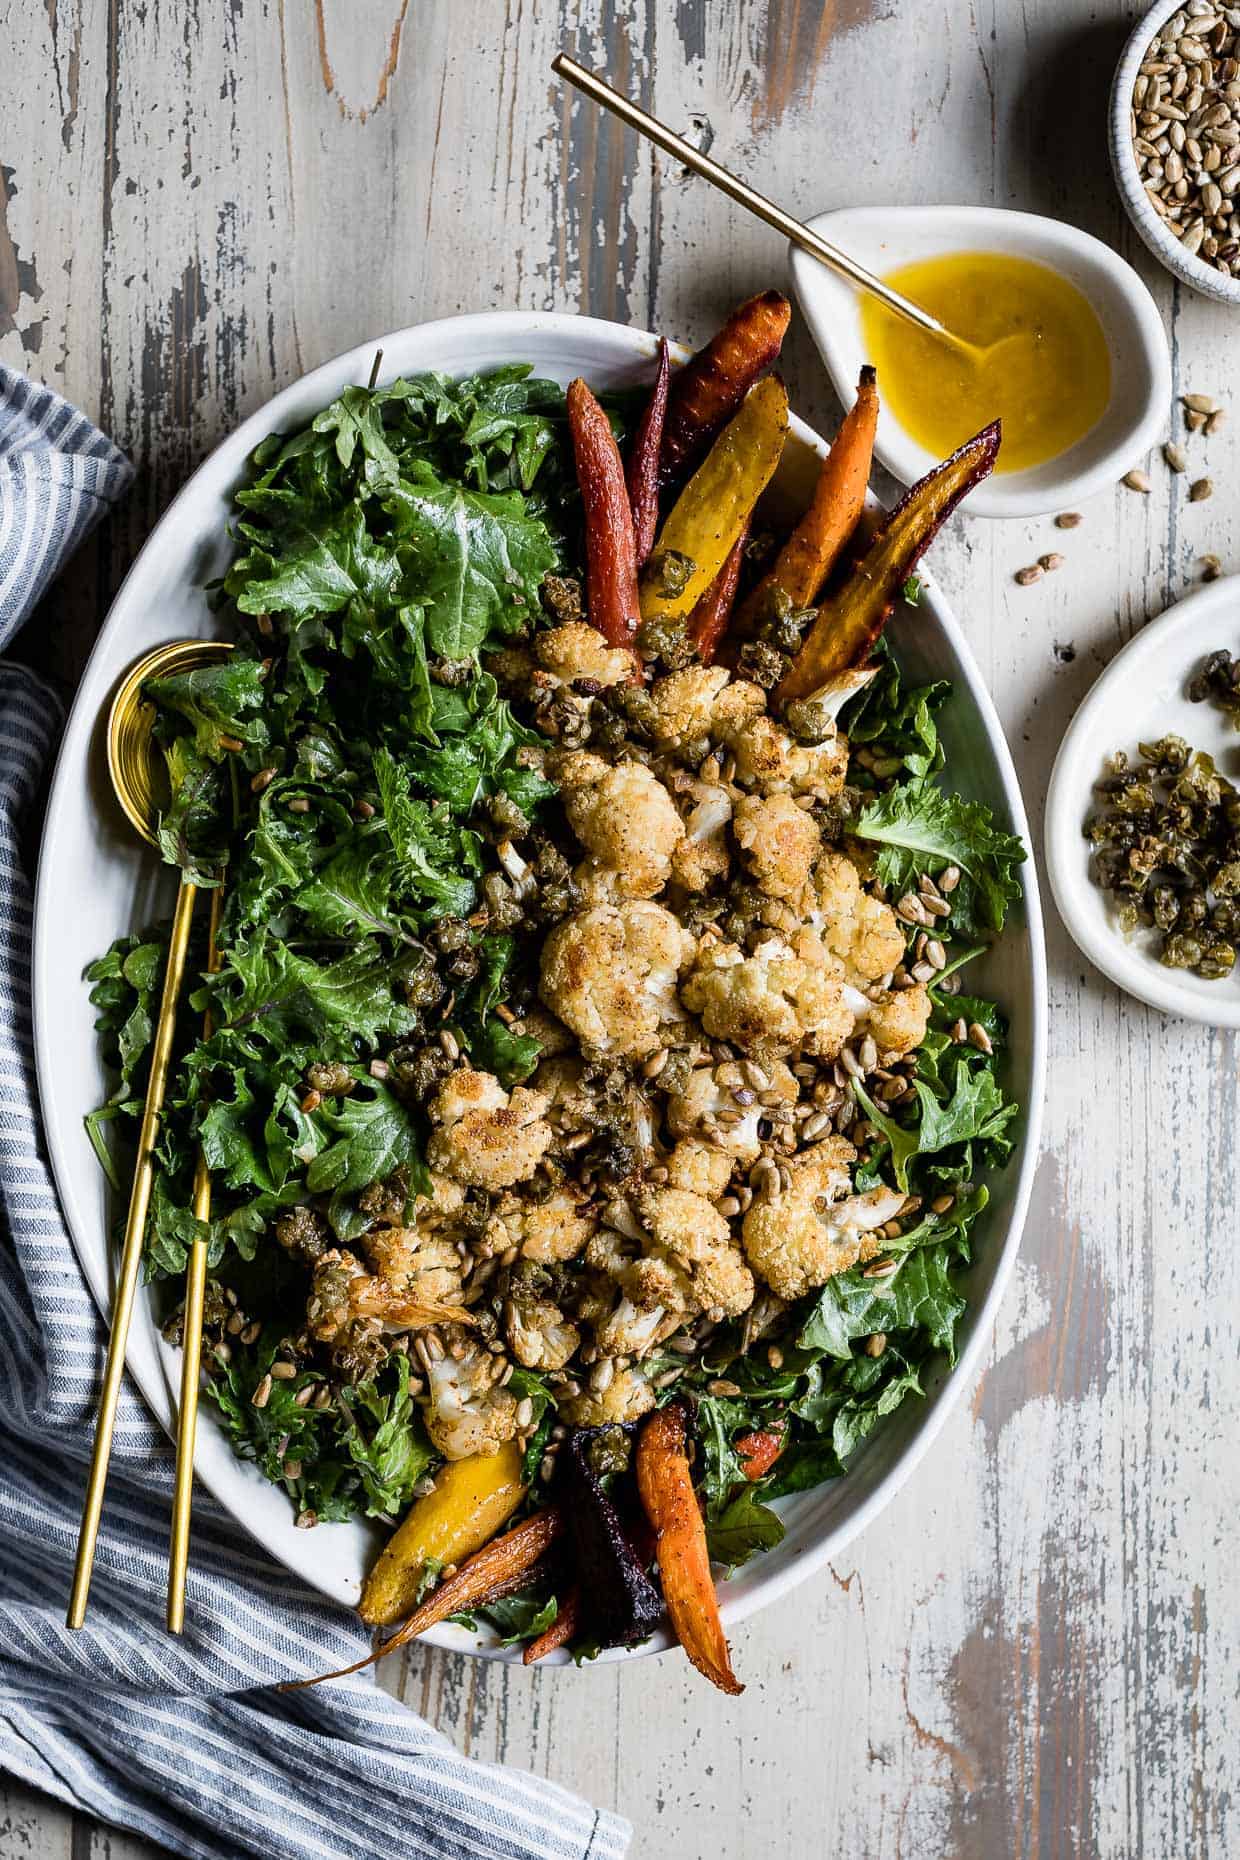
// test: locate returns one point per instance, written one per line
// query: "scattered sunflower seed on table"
(1185, 126)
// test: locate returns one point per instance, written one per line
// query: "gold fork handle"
(191, 1354)
(131, 1255)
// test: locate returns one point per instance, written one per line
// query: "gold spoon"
(593, 86)
(134, 765)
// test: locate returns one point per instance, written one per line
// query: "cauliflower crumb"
(626, 1398)
(682, 705)
(466, 1411)
(769, 1002)
(815, 1230)
(484, 1137)
(692, 1263)
(624, 817)
(897, 1021)
(610, 973)
(768, 759)
(779, 840)
(579, 650)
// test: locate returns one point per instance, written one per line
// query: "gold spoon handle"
(131, 1255)
(191, 1354)
(744, 195)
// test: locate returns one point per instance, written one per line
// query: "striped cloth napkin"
(183, 1741)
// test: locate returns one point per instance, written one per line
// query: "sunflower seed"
(1136, 481)
(1026, 577)
(1200, 489)
(1175, 456)
(979, 1037)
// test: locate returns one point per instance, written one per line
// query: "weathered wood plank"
(1034, 1652)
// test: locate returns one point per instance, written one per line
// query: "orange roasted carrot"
(666, 1487)
(709, 620)
(822, 535)
(611, 550)
(490, 1572)
(712, 384)
(758, 1452)
(642, 470)
(561, 1631)
(851, 619)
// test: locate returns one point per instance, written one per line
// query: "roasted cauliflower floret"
(483, 1136)
(709, 1109)
(552, 1035)
(768, 759)
(539, 1335)
(466, 1410)
(344, 1294)
(625, 819)
(624, 1322)
(544, 1231)
(779, 842)
(682, 705)
(699, 1167)
(610, 973)
(626, 1398)
(737, 705)
(566, 653)
(691, 1263)
(861, 930)
(897, 1022)
(420, 1264)
(804, 1237)
(702, 859)
(769, 1002)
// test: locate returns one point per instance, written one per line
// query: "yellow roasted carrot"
(714, 507)
(469, 1502)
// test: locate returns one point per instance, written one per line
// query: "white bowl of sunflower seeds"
(1175, 141)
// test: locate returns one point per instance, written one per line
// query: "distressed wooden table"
(1034, 1651)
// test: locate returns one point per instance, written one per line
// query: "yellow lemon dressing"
(1049, 381)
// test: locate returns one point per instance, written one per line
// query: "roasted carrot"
(666, 1487)
(709, 620)
(469, 1501)
(758, 1452)
(611, 552)
(716, 504)
(642, 470)
(851, 620)
(712, 384)
(489, 1573)
(561, 1631)
(820, 538)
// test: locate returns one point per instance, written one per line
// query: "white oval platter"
(95, 883)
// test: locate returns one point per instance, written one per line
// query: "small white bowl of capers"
(1175, 141)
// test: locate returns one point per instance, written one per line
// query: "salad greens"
(348, 774)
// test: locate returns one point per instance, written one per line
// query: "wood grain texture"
(1033, 1654)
